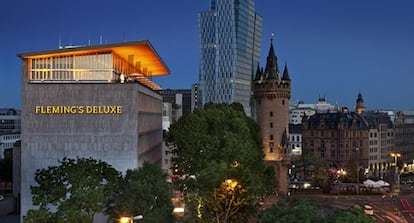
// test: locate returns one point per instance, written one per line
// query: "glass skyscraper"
(230, 47)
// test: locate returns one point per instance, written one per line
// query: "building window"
(271, 125)
(271, 114)
(271, 137)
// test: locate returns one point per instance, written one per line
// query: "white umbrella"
(370, 183)
(382, 183)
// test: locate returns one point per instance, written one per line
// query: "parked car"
(368, 210)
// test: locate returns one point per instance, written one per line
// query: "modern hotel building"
(90, 101)
(230, 47)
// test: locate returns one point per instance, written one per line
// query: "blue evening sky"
(333, 48)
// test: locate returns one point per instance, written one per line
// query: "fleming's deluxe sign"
(78, 109)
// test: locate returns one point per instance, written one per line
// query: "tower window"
(271, 137)
(271, 114)
(271, 125)
(283, 102)
(271, 149)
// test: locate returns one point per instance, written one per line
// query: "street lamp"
(357, 149)
(341, 174)
(130, 219)
(397, 178)
(229, 200)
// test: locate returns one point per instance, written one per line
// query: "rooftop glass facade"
(109, 63)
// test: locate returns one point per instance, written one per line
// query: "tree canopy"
(77, 189)
(145, 191)
(73, 191)
(305, 211)
(215, 144)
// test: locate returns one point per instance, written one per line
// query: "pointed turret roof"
(286, 73)
(259, 73)
(359, 99)
(272, 69)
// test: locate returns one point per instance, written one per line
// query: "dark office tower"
(180, 99)
(230, 47)
(272, 93)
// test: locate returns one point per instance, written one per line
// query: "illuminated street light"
(230, 206)
(341, 173)
(357, 149)
(396, 155)
(130, 219)
(231, 183)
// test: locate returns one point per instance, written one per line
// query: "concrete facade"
(119, 122)
(123, 140)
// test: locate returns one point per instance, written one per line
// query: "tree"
(352, 174)
(212, 145)
(305, 211)
(297, 211)
(145, 191)
(73, 191)
(353, 214)
(314, 169)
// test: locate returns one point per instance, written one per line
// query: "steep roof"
(286, 73)
(272, 69)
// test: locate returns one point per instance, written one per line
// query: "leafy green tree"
(306, 212)
(145, 191)
(212, 145)
(41, 215)
(269, 180)
(353, 214)
(315, 169)
(351, 173)
(298, 211)
(73, 191)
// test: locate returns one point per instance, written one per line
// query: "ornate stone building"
(362, 136)
(271, 92)
(336, 138)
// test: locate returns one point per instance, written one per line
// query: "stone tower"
(271, 92)
(359, 108)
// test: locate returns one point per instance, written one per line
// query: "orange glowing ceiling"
(136, 52)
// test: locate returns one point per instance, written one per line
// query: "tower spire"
(359, 108)
(272, 69)
(285, 76)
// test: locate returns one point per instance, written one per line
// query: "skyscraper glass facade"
(230, 47)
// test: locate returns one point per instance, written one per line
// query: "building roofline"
(143, 52)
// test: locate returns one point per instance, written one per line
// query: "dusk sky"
(333, 48)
